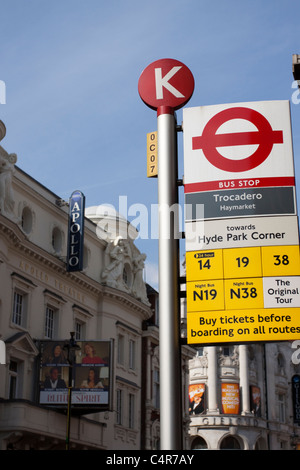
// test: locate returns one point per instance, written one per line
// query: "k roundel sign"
(238, 141)
(166, 83)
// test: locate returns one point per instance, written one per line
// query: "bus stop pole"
(169, 315)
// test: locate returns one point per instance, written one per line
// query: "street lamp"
(296, 68)
(71, 347)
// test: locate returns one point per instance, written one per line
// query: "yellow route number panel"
(204, 265)
(244, 293)
(280, 260)
(206, 295)
(242, 262)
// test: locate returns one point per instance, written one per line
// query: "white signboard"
(240, 145)
(241, 224)
(234, 233)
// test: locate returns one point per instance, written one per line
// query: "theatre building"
(44, 307)
(245, 397)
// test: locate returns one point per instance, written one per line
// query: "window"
(21, 298)
(78, 330)
(131, 411)
(57, 240)
(199, 352)
(119, 406)
(81, 322)
(156, 388)
(127, 348)
(281, 407)
(199, 443)
(230, 442)
(131, 354)
(50, 322)
(13, 378)
(19, 308)
(121, 349)
(27, 220)
(53, 307)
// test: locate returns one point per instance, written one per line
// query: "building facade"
(241, 397)
(243, 393)
(40, 302)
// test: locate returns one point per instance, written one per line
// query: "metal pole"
(71, 347)
(169, 345)
(69, 416)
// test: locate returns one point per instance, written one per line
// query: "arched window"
(199, 443)
(27, 220)
(57, 240)
(230, 442)
(260, 444)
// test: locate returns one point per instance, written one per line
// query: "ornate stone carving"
(124, 266)
(138, 287)
(231, 360)
(7, 169)
(115, 255)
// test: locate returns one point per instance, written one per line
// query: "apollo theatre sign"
(76, 232)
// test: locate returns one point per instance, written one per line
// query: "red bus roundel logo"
(265, 137)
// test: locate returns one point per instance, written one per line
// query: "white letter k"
(161, 82)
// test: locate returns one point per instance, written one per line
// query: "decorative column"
(212, 380)
(244, 379)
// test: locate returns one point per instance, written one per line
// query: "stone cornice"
(127, 300)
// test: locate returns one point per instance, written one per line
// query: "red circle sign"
(265, 138)
(166, 82)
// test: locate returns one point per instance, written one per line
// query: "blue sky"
(71, 68)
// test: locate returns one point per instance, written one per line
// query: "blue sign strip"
(248, 202)
(76, 232)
